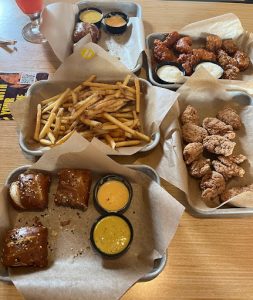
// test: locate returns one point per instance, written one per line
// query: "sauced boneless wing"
(25, 247)
(213, 42)
(171, 39)
(184, 45)
(162, 53)
(30, 191)
(229, 46)
(218, 145)
(242, 60)
(73, 188)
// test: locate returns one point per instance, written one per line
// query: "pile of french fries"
(109, 112)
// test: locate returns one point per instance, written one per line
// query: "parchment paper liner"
(208, 95)
(75, 69)
(58, 21)
(154, 215)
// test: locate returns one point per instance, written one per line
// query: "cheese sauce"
(170, 74)
(112, 235)
(115, 21)
(90, 16)
(113, 195)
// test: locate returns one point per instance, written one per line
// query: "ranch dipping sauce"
(112, 235)
(171, 74)
(113, 195)
(214, 69)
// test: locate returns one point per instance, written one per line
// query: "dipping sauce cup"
(111, 235)
(112, 193)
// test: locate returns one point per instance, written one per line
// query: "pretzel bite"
(73, 188)
(30, 191)
(25, 247)
(213, 42)
(229, 46)
(242, 60)
(184, 44)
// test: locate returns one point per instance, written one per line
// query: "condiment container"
(212, 67)
(170, 72)
(111, 235)
(115, 22)
(91, 15)
(112, 193)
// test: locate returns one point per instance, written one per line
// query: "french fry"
(64, 138)
(51, 137)
(126, 128)
(47, 126)
(127, 143)
(45, 142)
(110, 140)
(91, 123)
(138, 96)
(126, 80)
(37, 127)
(52, 99)
(89, 101)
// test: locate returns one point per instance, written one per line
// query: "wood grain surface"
(208, 258)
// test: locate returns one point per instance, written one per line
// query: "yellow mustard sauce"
(90, 16)
(115, 21)
(113, 195)
(112, 235)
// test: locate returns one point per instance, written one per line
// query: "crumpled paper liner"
(153, 213)
(58, 22)
(155, 103)
(208, 95)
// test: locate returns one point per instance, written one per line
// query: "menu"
(13, 86)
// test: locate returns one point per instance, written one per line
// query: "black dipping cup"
(98, 24)
(116, 29)
(104, 179)
(168, 63)
(106, 255)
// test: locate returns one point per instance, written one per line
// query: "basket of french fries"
(114, 110)
(110, 112)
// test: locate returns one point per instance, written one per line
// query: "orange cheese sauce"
(112, 235)
(113, 195)
(115, 21)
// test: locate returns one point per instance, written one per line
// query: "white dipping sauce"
(215, 70)
(170, 74)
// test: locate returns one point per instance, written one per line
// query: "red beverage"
(30, 6)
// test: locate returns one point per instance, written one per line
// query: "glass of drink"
(31, 31)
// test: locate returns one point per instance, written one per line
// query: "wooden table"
(208, 258)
